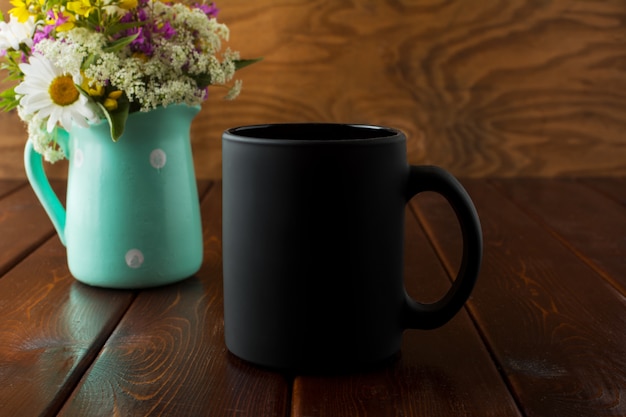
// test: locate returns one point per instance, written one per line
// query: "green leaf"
(120, 43)
(8, 100)
(11, 64)
(203, 80)
(242, 63)
(83, 92)
(118, 27)
(117, 118)
(89, 61)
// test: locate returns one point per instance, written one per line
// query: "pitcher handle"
(430, 316)
(44, 192)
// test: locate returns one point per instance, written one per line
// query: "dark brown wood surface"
(24, 224)
(439, 372)
(554, 325)
(167, 355)
(542, 334)
(481, 87)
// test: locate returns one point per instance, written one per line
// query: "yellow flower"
(110, 103)
(128, 4)
(61, 20)
(23, 9)
(91, 87)
(141, 56)
(20, 11)
(66, 26)
(81, 7)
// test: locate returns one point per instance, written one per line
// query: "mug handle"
(429, 316)
(41, 186)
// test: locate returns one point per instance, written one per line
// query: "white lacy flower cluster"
(168, 76)
(79, 62)
(44, 142)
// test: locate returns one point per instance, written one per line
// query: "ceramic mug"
(313, 235)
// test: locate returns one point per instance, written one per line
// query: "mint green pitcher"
(132, 217)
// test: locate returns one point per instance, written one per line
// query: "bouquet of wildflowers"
(81, 61)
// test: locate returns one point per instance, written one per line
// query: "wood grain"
(51, 328)
(24, 226)
(8, 186)
(602, 244)
(554, 325)
(542, 334)
(481, 87)
(442, 372)
(614, 188)
(167, 356)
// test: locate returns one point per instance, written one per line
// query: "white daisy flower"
(13, 33)
(50, 93)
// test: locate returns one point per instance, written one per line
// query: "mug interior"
(313, 131)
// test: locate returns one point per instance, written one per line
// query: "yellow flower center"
(63, 91)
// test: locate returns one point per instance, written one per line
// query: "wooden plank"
(614, 188)
(51, 328)
(555, 327)
(482, 87)
(6, 186)
(203, 187)
(590, 224)
(442, 372)
(168, 356)
(24, 225)
(464, 79)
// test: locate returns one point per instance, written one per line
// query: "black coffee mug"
(313, 235)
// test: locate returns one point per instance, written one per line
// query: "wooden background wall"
(481, 87)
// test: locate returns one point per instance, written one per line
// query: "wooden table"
(542, 335)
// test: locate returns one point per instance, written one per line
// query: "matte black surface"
(313, 245)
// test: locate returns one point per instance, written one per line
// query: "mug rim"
(249, 133)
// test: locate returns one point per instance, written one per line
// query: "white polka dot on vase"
(134, 258)
(158, 158)
(78, 158)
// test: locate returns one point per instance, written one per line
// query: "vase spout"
(188, 112)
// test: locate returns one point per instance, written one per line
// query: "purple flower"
(167, 31)
(58, 18)
(142, 15)
(209, 9)
(143, 42)
(45, 33)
